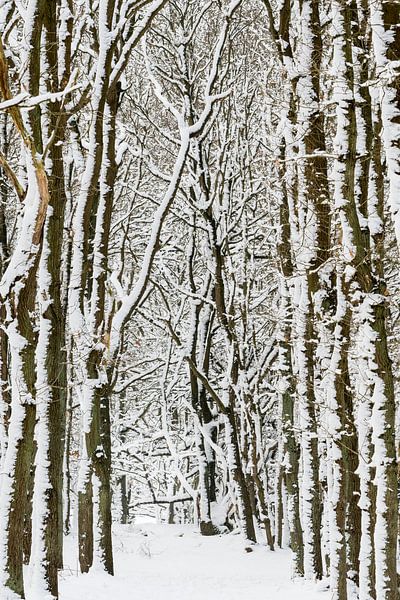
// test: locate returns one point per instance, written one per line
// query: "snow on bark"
(384, 17)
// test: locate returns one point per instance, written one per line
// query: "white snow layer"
(174, 562)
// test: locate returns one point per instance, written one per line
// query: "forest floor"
(173, 562)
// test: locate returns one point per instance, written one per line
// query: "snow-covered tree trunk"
(199, 336)
(4, 257)
(18, 292)
(337, 391)
(87, 298)
(384, 19)
(287, 387)
(51, 359)
(355, 241)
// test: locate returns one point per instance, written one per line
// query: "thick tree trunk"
(355, 244)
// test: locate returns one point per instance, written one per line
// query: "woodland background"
(199, 295)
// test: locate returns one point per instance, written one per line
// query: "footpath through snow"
(173, 562)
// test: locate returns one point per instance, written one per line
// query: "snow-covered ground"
(173, 562)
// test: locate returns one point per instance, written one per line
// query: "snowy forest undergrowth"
(199, 292)
(174, 562)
